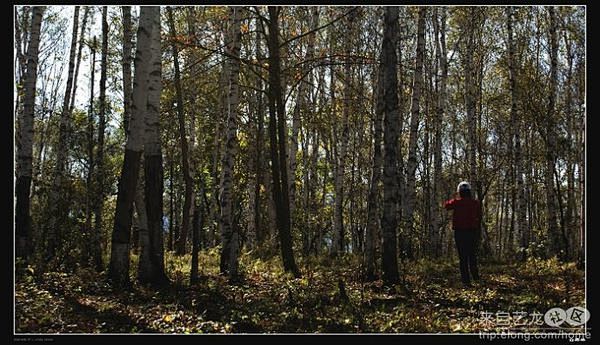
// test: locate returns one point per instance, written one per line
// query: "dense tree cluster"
(295, 132)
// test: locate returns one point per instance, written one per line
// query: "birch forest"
(283, 169)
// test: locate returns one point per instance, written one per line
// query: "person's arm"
(449, 205)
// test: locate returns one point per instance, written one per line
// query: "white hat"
(463, 186)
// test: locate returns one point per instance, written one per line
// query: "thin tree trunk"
(185, 160)
(25, 140)
(413, 137)
(57, 206)
(99, 201)
(78, 62)
(278, 145)
(470, 100)
(126, 62)
(557, 247)
(521, 225)
(90, 162)
(259, 146)
(439, 118)
(171, 205)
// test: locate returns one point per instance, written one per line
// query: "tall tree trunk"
(557, 247)
(25, 140)
(521, 222)
(90, 162)
(278, 139)
(153, 167)
(413, 137)
(99, 201)
(338, 225)
(126, 62)
(470, 101)
(119, 260)
(57, 206)
(185, 160)
(373, 221)
(254, 224)
(389, 221)
(571, 212)
(229, 231)
(440, 48)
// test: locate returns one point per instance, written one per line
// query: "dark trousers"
(466, 243)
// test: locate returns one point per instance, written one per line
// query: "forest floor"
(430, 299)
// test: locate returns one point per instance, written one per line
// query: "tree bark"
(153, 167)
(373, 221)
(99, 201)
(389, 221)
(90, 162)
(119, 260)
(126, 62)
(25, 140)
(278, 139)
(439, 118)
(229, 231)
(557, 245)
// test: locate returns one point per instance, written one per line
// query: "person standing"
(466, 221)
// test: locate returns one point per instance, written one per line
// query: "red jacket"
(467, 213)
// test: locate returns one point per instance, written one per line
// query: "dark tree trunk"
(278, 140)
(99, 193)
(389, 222)
(25, 141)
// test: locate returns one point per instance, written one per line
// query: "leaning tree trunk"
(391, 124)
(78, 60)
(229, 232)
(278, 139)
(25, 140)
(90, 161)
(185, 159)
(153, 167)
(413, 137)
(57, 207)
(119, 260)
